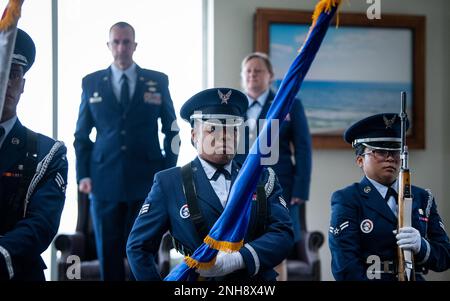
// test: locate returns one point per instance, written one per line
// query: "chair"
(304, 262)
(81, 244)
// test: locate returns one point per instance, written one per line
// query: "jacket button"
(123, 132)
(123, 147)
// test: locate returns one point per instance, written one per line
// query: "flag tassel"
(11, 14)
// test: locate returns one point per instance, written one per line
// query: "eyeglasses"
(383, 154)
(209, 128)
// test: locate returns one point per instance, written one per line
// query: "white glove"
(409, 238)
(226, 263)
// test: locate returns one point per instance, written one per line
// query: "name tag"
(95, 99)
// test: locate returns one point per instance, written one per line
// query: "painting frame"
(266, 17)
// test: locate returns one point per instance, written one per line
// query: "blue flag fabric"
(229, 230)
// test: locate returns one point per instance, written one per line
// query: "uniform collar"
(261, 98)
(7, 125)
(117, 73)
(382, 189)
(211, 170)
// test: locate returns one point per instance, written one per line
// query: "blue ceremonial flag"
(229, 230)
(8, 29)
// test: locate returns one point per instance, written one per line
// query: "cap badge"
(224, 97)
(388, 122)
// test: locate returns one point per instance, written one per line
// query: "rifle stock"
(405, 262)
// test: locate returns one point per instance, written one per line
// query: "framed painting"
(361, 69)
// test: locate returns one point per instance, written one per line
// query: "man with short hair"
(33, 177)
(124, 103)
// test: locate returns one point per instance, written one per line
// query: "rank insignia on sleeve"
(60, 181)
(145, 208)
(338, 229)
(282, 202)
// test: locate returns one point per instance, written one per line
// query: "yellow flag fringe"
(225, 246)
(324, 5)
(193, 264)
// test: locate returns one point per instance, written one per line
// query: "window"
(169, 40)
(169, 37)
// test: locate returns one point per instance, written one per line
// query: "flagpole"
(8, 31)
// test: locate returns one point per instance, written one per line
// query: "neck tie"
(124, 92)
(255, 103)
(221, 171)
(392, 203)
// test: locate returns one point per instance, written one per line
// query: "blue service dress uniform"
(294, 177)
(124, 157)
(165, 210)
(362, 224)
(22, 244)
(127, 153)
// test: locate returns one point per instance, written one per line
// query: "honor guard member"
(124, 103)
(362, 235)
(188, 201)
(33, 170)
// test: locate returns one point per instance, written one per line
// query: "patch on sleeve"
(338, 229)
(282, 202)
(60, 182)
(145, 208)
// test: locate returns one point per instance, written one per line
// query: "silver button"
(123, 132)
(123, 147)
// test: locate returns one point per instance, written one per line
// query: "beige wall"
(333, 169)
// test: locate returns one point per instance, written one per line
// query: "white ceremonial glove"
(409, 238)
(226, 263)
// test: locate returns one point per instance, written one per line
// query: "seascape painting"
(358, 71)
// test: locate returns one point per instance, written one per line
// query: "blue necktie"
(124, 92)
(220, 171)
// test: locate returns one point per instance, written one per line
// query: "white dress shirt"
(254, 111)
(116, 79)
(221, 186)
(382, 189)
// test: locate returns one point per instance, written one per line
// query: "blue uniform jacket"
(32, 235)
(362, 224)
(127, 153)
(294, 133)
(164, 213)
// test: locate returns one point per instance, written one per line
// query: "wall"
(333, 169)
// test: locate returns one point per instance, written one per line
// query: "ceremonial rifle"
(405, 267)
